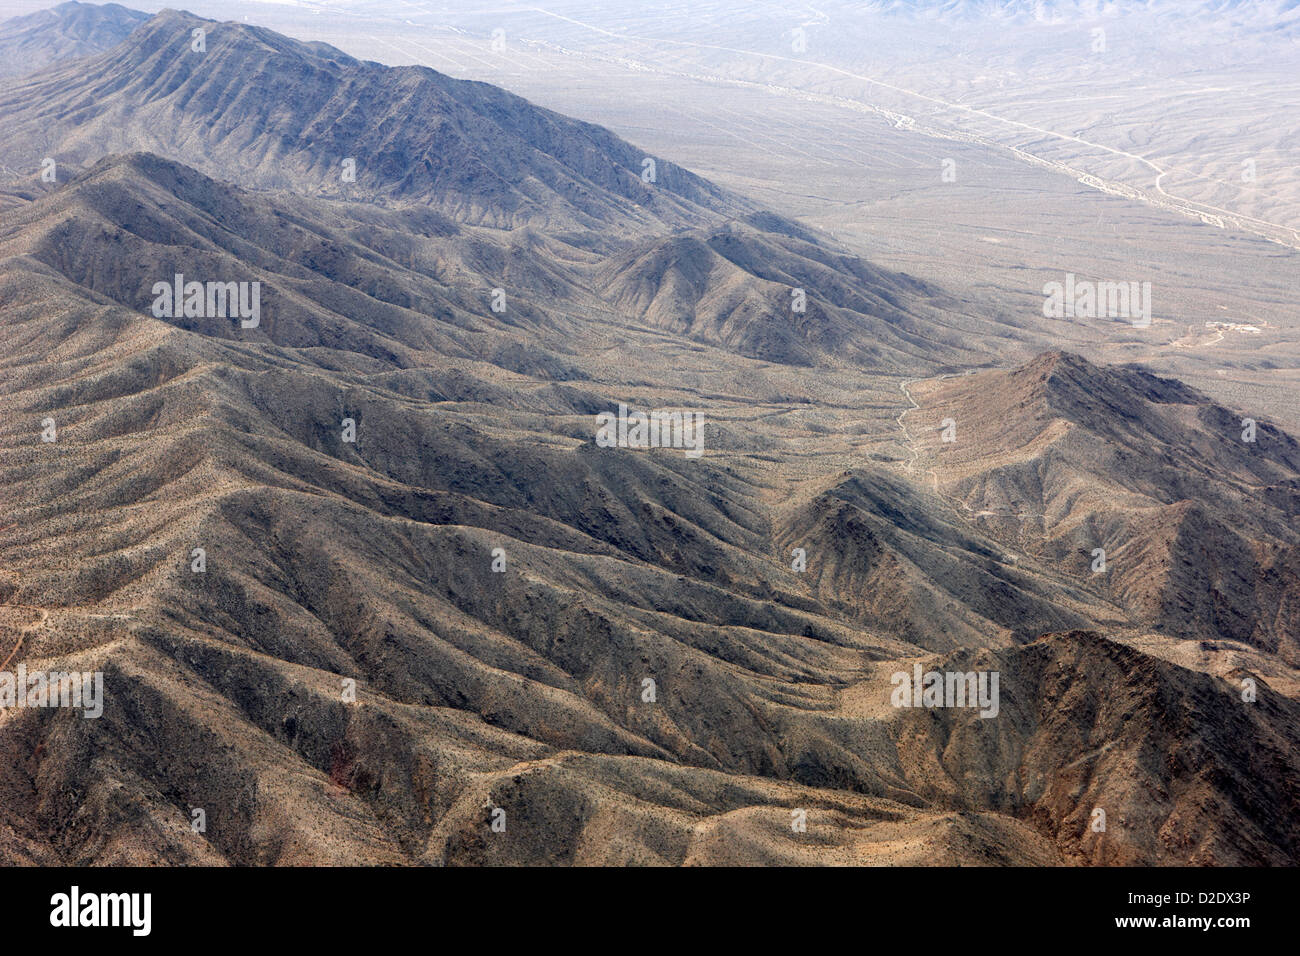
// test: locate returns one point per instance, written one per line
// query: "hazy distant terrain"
(67, 31)
(428, 597)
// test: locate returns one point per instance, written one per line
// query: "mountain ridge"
(363, 574)
(67, 31)
(480, 154)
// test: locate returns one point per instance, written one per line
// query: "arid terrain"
(367, 583)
